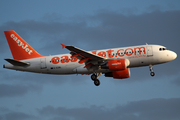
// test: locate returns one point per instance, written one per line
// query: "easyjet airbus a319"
(115, 62)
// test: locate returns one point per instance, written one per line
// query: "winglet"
(63, 46)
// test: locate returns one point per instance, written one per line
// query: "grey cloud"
(153, 8)
(111, 26)
(18, 116)
(37, 80)
(59, 118)
(7, 114)
(4, 110)
(16, 90)
(156, 109)
(19, 105)
(176, 81)
(10, 90)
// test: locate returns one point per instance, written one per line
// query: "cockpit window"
(161, 49)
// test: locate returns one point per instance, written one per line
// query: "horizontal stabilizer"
(16, 62)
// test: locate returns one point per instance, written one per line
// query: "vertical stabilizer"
(20, 49)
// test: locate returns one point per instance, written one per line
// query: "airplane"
(115, 62)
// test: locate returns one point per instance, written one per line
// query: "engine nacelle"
(116, 65)
(121, 74)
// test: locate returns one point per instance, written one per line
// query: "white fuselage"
(138, 56)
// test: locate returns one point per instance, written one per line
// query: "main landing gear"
(94, 77)
(151, 69)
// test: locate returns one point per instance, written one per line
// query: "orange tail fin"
(19, 48)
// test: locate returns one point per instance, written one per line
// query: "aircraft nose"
(174, 55)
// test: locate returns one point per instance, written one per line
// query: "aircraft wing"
(83, 55)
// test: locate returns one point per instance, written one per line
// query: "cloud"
(103, 27)
(17, 116)
(8, 114)
(4, 110)
(154, 8)
(156, 109)
(37, 80)
(176, 80)
(16, 90)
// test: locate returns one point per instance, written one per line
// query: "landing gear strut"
(94, 77)
(151, 69)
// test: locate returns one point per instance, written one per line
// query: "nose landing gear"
(151, 69)
(94, 77)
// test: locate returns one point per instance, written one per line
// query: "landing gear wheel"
(93, 77)
(152, 73)
(151, 69)
(96, 82)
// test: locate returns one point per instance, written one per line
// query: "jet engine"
(121, 74)
(116, 65)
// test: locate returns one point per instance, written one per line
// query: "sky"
(91, 25)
